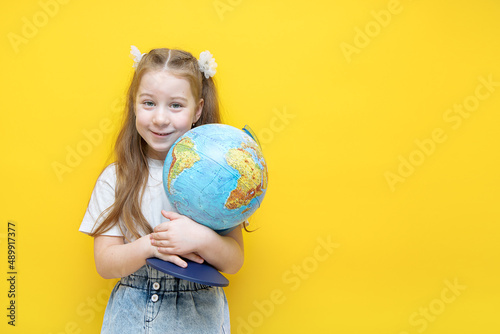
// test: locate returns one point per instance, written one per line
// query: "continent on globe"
(183, 156)
(252, 181)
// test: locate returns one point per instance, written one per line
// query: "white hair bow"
(207, 64)
(136, 55)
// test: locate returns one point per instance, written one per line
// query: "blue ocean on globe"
(216, 175)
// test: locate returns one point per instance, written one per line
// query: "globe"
(216, 175)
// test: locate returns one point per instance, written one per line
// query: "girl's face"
(165, 109)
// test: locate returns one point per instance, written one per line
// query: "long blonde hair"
(131, 161)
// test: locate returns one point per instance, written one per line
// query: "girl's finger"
(194, 257)
(177, 260)
(161, 228)
(170, 215)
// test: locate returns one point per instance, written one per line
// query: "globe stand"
(202, 273)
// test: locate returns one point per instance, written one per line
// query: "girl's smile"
(161, 134)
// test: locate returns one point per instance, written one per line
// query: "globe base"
(202, 273)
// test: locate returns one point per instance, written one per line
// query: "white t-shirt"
(103, 196)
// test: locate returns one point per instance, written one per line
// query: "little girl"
(131, 219)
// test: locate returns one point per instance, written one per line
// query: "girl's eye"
(175, 105)
(148, 104)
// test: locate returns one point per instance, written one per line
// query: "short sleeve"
(103, 196)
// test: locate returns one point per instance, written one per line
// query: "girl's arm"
(182, 235)
(115, 259)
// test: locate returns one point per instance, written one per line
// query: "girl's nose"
(160, 116)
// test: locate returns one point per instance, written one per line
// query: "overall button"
(156, 285)
(154, 298)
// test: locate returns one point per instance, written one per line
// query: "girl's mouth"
(160, 134)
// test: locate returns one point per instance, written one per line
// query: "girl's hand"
(176, 259)
(179, 236)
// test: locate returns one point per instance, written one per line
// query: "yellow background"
(333, 123)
